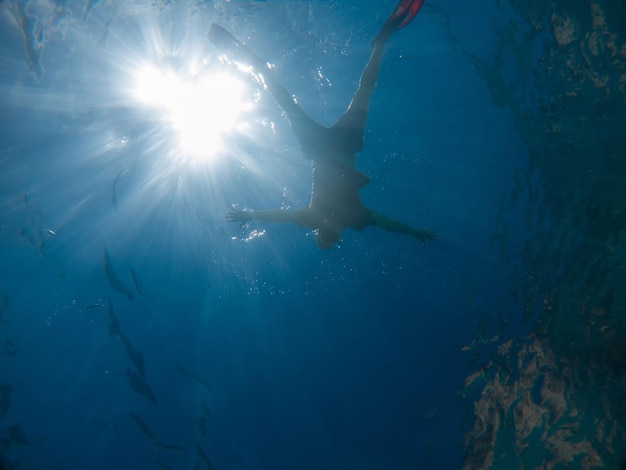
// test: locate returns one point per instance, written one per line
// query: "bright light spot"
(201, 108)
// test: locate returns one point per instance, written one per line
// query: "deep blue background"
(317, 360)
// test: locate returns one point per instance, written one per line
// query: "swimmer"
(335, 203)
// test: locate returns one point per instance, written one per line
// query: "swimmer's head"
(326, 238)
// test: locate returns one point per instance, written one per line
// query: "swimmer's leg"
(309, 133)
(403, 14)
(350, 126)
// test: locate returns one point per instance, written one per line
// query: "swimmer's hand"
(425, 235)
(398, 227)
(235, 215)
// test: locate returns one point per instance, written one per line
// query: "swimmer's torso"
(335, 198)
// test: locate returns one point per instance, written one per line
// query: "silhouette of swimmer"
(335, 203)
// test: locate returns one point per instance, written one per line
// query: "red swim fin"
(405, 12)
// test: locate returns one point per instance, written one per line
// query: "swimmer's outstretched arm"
(395, 226)
(272, 215)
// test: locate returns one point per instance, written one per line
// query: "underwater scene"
(317, 235)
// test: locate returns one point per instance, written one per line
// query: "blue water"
(140, 329)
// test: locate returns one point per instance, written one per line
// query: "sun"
(200, 107)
